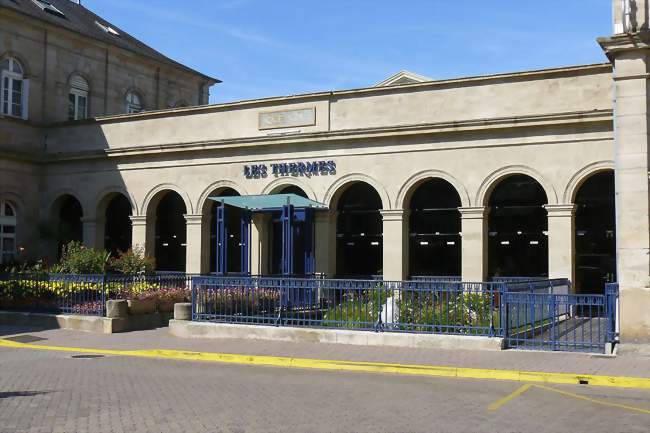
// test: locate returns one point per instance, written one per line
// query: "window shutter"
(25, 101)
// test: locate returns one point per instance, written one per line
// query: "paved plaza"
(53, 391)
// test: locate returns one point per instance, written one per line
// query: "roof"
(403, 77)
(269, 202)
(82, 21)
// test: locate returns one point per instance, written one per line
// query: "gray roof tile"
(81, 20)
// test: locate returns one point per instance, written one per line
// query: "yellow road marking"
(497, 404)
(352, 366)
(596, 401)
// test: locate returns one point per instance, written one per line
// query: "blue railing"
(613, 310)
(552, 319)
(517, 279)
(449, 278)
(85, 294)
(53, 293)
(395, 306)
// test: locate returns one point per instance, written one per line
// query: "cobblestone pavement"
(46, 391)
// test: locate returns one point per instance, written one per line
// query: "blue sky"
(263, 48)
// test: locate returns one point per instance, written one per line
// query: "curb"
(365, 367)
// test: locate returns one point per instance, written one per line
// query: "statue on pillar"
(630, 16)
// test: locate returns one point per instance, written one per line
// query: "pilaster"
(325, 222)
(474, 243)
(561, 241)
(395, 244)
(193, 224)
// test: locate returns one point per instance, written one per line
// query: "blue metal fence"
(450, 278)
(53, 293)
(530, 314)
(84, 294)
(517, 279)
(552, 318)
(394, 306)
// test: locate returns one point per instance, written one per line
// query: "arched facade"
(595, 232)
(517, 228)
(167, 211)
(434, 223)
(114, 223)
(67, 216)
(359, 230)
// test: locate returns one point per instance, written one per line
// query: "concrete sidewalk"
(551, 362)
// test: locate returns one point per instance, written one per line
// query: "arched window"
(133, 103)
(78, 98)
(7, 232)
(14, 89)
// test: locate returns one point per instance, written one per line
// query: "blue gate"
(560, 321)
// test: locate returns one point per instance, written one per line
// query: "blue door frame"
(295, 221)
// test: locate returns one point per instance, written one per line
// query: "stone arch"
(491, 182)
(15, 200)
(576, 181)
(278, 184)
(337, 188)
(221, 184)
(409, 187)
(23, 61)
(104, 197)
(154, 195)
(51, 208)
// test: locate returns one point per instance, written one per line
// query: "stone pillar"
(474, 243)
(561, 241)
(90, 232)
(260, 244)
(205, 243)
(629, 53)
(326, 243)
(395, 245)
(193, 224)
(143, 234)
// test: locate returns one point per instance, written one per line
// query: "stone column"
(143, 234)
(629, 53)
(395, 245)
(90, 232)
(561, 241)
(206, 222)
(260, 244)
(474, 243)
(326, 243)
(193, 224)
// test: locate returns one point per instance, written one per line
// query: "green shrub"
(133, 262)
(77, 259)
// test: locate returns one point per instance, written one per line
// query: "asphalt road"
(44, 391)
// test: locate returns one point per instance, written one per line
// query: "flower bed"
(72, 294)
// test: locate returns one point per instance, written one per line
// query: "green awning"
(269, 202)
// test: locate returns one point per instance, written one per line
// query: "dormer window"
(48, 7)
(78, 98)
(133, 103)
(108, 29)
(14, 89)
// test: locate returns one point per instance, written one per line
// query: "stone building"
(537, 173)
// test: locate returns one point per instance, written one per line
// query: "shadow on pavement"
(13, 394)
(9, 330)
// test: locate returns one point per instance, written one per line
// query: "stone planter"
(166, 306)
(142, 306)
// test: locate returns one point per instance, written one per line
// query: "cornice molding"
(348, 135)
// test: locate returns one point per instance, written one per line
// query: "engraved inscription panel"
(288, 118)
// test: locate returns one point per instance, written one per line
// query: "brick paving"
(628, 365)
(52, 392)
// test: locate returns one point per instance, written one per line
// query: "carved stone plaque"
(288, 118)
